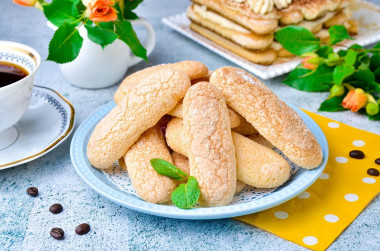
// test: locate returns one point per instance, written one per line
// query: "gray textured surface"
(26, 222)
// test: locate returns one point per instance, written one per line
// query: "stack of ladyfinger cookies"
(220, 127)
(246, 27)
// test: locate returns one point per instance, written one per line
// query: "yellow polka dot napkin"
(316, 217)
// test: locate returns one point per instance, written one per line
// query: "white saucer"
(48, 121)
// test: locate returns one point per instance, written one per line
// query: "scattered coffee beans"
(82, 229)
(32, 191)
(377, 161)
(373, 172)
(357, 154)
(57, 233)
(56, 208)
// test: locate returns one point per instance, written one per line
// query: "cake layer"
(218, 24)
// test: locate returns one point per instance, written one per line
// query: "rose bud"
(29, 3)
(311, 61)
(354, 100)
(372, 107)
(102, 11)
(336, 91)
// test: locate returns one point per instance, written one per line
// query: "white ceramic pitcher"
(96, 67)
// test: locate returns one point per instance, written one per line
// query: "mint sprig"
(186, 195)
(166, 168)
(354, 68)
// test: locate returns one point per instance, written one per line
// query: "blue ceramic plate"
(246, 202)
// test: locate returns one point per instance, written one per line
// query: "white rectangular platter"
(369, 32)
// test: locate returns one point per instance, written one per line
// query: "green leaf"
(100, 36)
(318, 81)
(341, 72)
(350, 57)
(166, 168)
(107, 25)
(374, 117)
(338, 33)
(375, 62)
(131, 5)
(356, 47)
(65, 45)
(80, 6)
(324, 51)
(130, 15)
(333, 104)
(377, 46)
(297, 39)
(125, 33)
(186, 195)
(364, 76)
(62, 11)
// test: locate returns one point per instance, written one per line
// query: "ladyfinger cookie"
(149, 185)
(211, 151)
(234, 117)
(245, 128)
(258, 165)
(258, 138)
(193, 69)
(270, 116)
(182, 162)
(142, 108)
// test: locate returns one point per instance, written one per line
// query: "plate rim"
(165, 211)
(52, 145)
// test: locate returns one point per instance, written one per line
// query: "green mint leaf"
(164, 167)
(374, 62)
(350, 57)
(125, 33)
(186, 195)
(318, 81)
(61, 11)
(297, 40)
(341, 72)
(131, 5)
(324, 51)
(65, 45)
(130, 15)
(338, 33)
(100, 36)
(333, 104)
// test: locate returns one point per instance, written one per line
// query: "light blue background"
(26, 222)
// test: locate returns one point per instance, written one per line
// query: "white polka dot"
(324, 176)
(358, 143)
(281, 215)
(341, 159)
(333, 125)
(351, 197)
(310, 240)
(331, 218)
(304, 195)
(369, 180)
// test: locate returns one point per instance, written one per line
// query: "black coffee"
(10, 73)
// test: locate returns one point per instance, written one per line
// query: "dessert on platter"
(181, 125)
(246, 27)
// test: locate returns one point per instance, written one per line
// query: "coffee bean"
(377, 161)
(82, 229)
(357, 154)
(373, 172)
(32, 191)
(57, 233)
(56, 208)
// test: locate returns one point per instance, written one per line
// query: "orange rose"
(102, 11)
(29, 3)
(309, 65)
(354, 100)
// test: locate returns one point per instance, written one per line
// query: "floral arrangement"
(352, 75)
(104, 20)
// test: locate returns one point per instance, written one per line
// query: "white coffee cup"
(15, 97)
